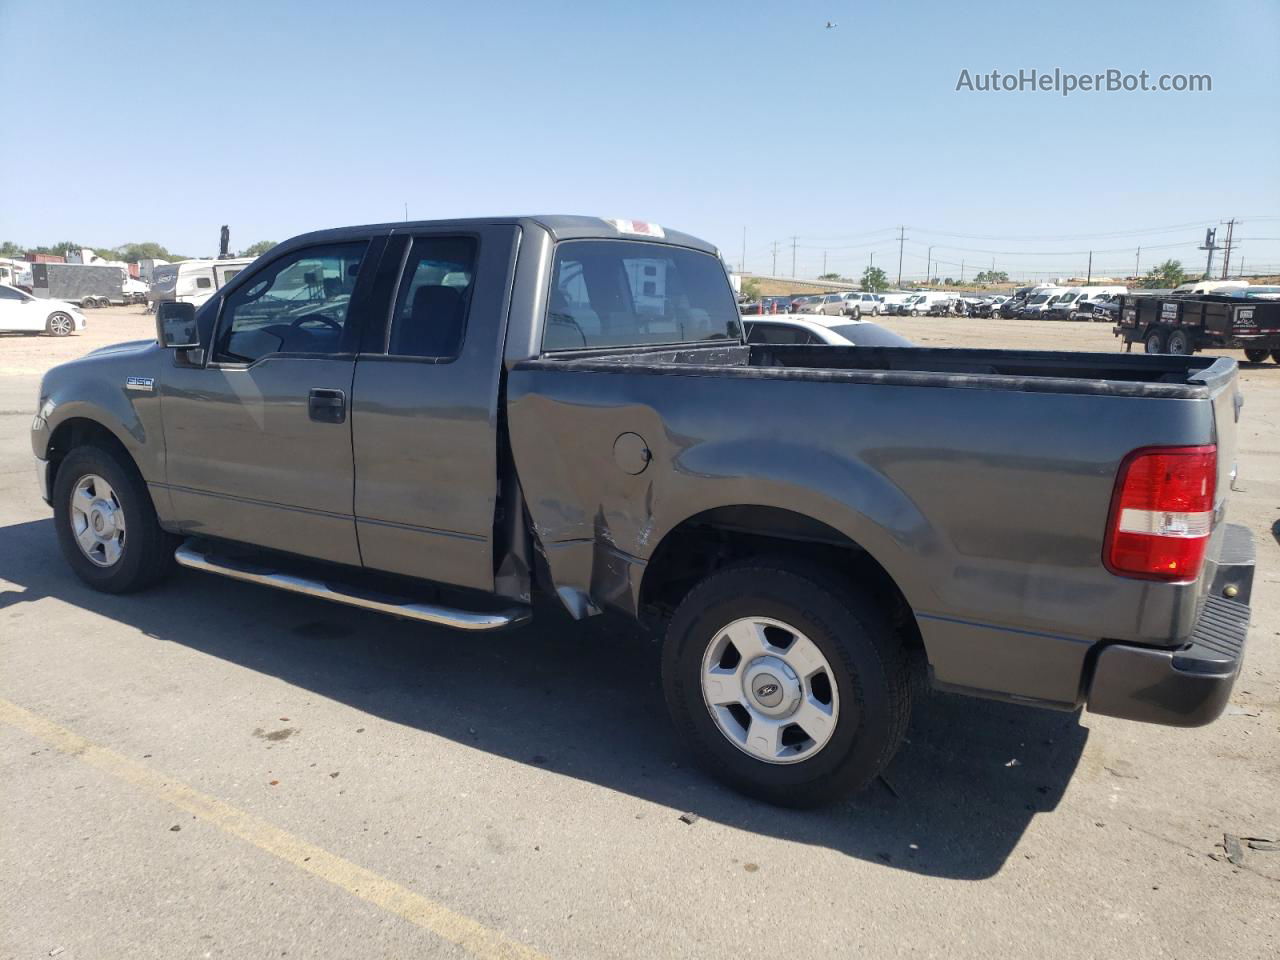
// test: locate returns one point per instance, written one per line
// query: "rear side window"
(615, 293)
(435, 292)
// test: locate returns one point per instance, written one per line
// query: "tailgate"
(1222, 379)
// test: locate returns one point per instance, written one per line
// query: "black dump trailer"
(84, 284)
(1187, 324)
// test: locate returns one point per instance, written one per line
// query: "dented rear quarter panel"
(988, 507)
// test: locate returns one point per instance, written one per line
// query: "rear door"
(425, 410)
(20, 312)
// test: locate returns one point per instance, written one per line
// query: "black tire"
(857, 313)
(60, 324)
(147, 554)
(1179, 343)
(1154, 343)
(1275, 355)
(1255, 356)
(869, 666)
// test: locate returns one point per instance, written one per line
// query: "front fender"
(115, 389)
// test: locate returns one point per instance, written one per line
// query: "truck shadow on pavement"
(583, 700)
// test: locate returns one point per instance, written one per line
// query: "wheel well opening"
(708, 541)
(79, 432)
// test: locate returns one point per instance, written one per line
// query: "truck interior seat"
(435, 324)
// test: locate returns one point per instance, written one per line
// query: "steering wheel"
(319, 318)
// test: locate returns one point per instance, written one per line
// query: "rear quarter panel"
(987, 507)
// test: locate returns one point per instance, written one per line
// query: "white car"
(22, 313)
(793, 329)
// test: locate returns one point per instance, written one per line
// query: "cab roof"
(560, 226)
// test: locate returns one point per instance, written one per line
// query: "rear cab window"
(619, 293)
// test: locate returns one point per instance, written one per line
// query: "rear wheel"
(1179, 343)
(1257, 356)
(1275, 355)
(857, 313)
(786, 683)
(1154, 342)
(60, 324)
(106, 523)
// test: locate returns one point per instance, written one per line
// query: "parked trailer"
(84, 284)
(1187, 324)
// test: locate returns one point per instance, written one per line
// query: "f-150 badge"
(140, 383)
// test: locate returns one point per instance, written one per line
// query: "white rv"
(192, 281)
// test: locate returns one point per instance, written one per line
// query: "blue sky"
(162, 121)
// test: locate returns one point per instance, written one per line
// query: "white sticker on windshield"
(639, 227)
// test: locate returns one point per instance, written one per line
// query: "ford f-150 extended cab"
(440, 420)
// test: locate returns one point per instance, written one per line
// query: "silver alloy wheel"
(770, 690)
(60, 324)
(97, 520)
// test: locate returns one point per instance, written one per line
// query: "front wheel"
(106, 523)
(1154, 342)
(857, 313)
(915, 313)
(60, 324)
(1257, 356)
(786, 683)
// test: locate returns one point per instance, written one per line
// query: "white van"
(919, 304)
(192, 281)
(1039, 300)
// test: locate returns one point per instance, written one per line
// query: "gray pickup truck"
(441, 420)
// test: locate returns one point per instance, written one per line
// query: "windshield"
(1039, 298)
(870, 335)
(617, 293)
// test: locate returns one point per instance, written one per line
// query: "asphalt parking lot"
(213, 769)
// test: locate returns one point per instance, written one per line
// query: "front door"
(258, 441)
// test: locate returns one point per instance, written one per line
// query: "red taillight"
(1162, 513)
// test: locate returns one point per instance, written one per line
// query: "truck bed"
(1116, 374)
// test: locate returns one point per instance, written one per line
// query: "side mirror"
(176, 325)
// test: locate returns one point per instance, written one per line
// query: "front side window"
(435, 290)
(614, 293)
(780, 334)
(298, 304)
(8, 293)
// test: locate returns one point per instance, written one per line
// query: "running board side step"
(191, 557)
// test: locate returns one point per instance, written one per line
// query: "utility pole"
(824, 261)
(901, 237)
(406, 211)
(793, 257)
(928, 266)
(1089, 278)
(1137, 257)
(961, 283)
(1209, 244)
(1226, 254)
(774, 272)
(742, 264)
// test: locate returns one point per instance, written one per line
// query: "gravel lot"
(216, 770)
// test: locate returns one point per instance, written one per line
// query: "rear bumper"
(1186, 686)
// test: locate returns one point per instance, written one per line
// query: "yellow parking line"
(473, 937)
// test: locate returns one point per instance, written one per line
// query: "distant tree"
(948, 282)
(991, 276)
(750, 287)
(873, 280)
(10, 249)
(257, 249)
(1167, 274)
(833, 276)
